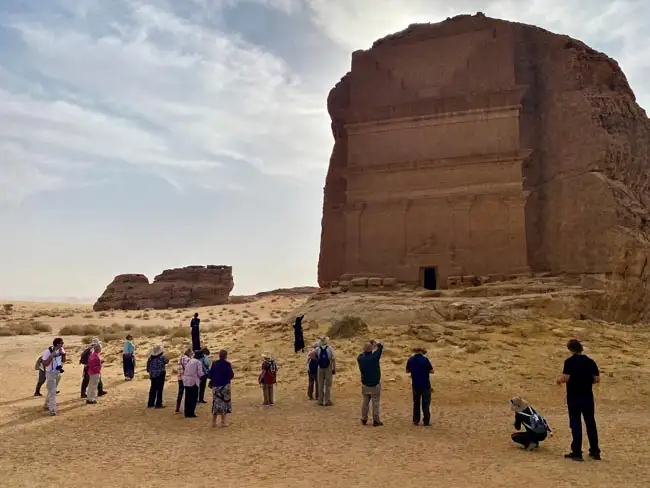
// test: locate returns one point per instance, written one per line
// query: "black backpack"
(323, 358)
(536, 423)
(84, 356)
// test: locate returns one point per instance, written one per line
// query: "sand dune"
(118, 442)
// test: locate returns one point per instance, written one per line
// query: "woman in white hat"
(536, 429)
(156, 369)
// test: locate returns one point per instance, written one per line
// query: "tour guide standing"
(419, 366)
(580, 373)
(370, 381)
(196, 338)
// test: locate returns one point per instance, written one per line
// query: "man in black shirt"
(580, 373)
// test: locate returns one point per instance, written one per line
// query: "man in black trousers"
(580, 373)
(420, 369)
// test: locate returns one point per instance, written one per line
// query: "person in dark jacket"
(536, 429)
(298, 337)
(156, 367)
(370, 371)
(312, 372)
(580, 373)
(196, 336)
(420, 369)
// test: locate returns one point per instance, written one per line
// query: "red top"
(268, 374)
(94, 363)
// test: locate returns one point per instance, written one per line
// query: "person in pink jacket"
(94, 372)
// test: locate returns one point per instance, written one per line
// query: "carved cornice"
(455, 197)
(427, 120)
(478, 159)
(441, 105)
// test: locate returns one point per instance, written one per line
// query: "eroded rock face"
(192, 286)
(482, 147)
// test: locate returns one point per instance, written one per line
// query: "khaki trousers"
(324, 386)
(370, 394)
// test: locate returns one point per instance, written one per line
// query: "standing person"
(94, 372)
(326, 371)
(48, 359)
(191, 381)
(182, 363)
(268, 378)
(85, 354)
(221, 375)
(41, 376)
(128, 358)
(370, 371)
(298, 336)
(156, 368)
(206, 363)
(419, 367)
(312, 372)
(580, 373)
(60, 359)
(196, 336)
(536, 429)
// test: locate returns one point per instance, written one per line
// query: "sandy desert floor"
(120, 443)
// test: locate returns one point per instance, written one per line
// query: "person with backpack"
(85, 355)
(268, 378)
(206, 363)
(536, 429)
(370, 371)
(41, 376)
(156, 367)
(326, 371)
(312, 372)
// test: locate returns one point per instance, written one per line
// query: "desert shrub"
(86, 340)
(6, 332)
(111, 336)
(81, 330)
(179, 332)
(8, 307)
(25, 327)
(151, 331)
(129, 326)
(347, 327)
(103, 314)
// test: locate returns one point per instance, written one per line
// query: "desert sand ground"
(480, 361)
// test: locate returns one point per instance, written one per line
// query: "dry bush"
(238, 323)
(24, 327)
(103, 314)
(347, 327)
(472, 348)
(179, 332)
(8, 307)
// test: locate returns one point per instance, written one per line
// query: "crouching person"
(536, 429)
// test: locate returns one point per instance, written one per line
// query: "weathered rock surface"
(482, 148)
(192, 286)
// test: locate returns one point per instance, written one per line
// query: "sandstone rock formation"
(192, 286)
(479, 147)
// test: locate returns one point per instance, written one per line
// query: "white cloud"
(158, 91)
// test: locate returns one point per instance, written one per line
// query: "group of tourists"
(196, 371)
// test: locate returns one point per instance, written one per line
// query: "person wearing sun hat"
(156, 369)
(420, 369)
(536, 429)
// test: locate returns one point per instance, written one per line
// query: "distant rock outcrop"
(192, 286)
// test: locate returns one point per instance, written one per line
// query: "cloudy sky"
(138, 135)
